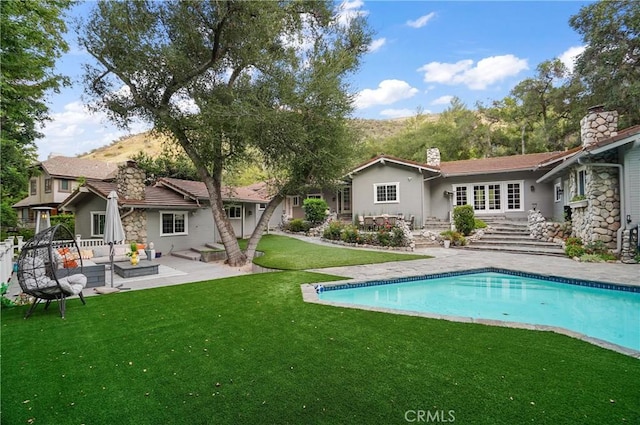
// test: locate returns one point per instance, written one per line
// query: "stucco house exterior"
(503, 186)
(57, 178)
(600, 184)
(174, 214)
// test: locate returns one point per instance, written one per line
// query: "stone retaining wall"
(547, 231)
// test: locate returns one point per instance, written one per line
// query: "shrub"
(573, 241)
(384, 237)
(574, 250)
(596, 247)
(479, 224)
(332, 232)
(397, 237)
(68, 220)
(464, 219)
(591, 258)
(315, 210)
(350, 234)
(298, 225)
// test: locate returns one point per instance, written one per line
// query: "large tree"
(31, 41)
(230, 80)
(610, 63)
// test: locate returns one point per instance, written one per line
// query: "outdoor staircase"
(512, 236)
(195, 253)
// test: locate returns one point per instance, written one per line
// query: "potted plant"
(133, 254)
(447, 236)
(578, 201)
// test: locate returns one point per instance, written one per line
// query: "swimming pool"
(607, 312)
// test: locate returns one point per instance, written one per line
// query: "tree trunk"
(235, 256)
(262, 224)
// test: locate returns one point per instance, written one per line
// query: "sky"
(423, 53)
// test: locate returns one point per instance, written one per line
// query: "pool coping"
(310, 295)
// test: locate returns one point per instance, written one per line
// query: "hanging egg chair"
(50, 268)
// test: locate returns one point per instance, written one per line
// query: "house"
(600, 184)
(505, 186)
(56, 178)
(174, 214)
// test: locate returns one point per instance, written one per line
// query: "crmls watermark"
(430, 416)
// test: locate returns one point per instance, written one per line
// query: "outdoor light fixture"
(533, 188)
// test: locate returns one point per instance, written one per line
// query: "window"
(33, 186)
(173, 223)
(557, 190)
(262, 207)
(582, 182)
(296, 201)
(461, 195)
(47, 185)
(514, 197)
(314, 196)
(479, 200)
(494, 197)
(386, 193)
(64, 185)
(97, 223)
(490, 197)
(233, 211)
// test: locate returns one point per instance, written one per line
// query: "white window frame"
(262, 206)
(389, 184)
(174, 213)
(95, 233)
(503, 196)
(581, 189)
(557, 192)
(314, 196)
(237, 212)
(295, 201)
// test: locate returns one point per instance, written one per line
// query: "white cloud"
(388, 92)
(442, 100)
(569, 56)
(76, 130)
(486, 72)
(421, 21)
(347, 10)
(398, 113)
(377, 44)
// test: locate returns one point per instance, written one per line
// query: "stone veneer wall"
(598, 124)
(135, 226)
(547, 231)
(629, 244)
(130, 185)
(600, 218)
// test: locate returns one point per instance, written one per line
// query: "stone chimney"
(433, 157)
(598, 124)
(130, 181)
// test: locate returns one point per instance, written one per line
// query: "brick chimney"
(598, 124)
(130, 181)
(433, 157)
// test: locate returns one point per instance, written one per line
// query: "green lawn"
(286, 253)
(249, 350)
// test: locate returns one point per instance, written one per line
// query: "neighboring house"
(56, 179)
(600, 184)
(174, 214)
(502, 186)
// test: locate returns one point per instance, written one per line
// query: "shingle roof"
(499, 164)
(257, 192)
(64, 166)
(396, 160)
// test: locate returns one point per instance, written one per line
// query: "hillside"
(126, 147)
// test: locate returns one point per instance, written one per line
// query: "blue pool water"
(606, 314)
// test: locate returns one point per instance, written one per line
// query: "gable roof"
(170, 193)
(622, 138)
(383, 159)
(500, 164)
(70, 167)
(256, 192)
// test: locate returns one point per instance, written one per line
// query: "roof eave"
(554, 171)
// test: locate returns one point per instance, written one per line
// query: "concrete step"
(523, 242)
(559, 252)
(188, 254)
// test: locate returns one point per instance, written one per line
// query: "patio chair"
(361, 222)
(50, 268)
(369, 223)
(392, 220)
(380, 222)
(412, 218)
